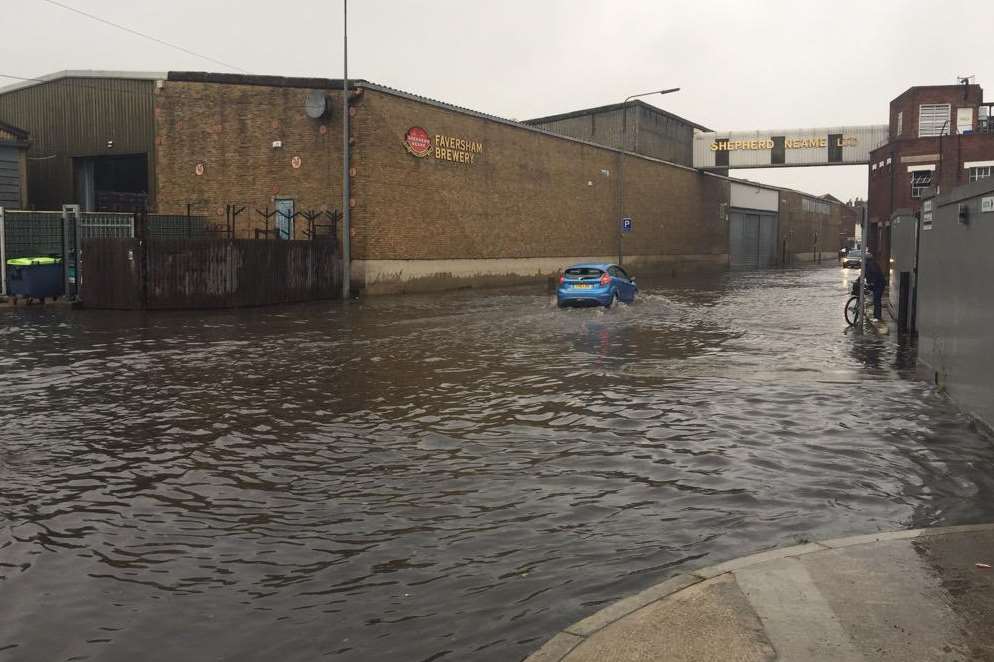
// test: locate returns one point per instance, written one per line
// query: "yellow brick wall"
(527, 194)
(231, 129)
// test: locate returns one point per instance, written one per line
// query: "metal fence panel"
(33, 233)
(104, 225)
(178, 226)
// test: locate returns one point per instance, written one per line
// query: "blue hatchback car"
(595, 285)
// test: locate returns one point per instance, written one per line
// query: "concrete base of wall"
(396, 276)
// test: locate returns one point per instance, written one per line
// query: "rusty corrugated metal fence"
(163, 274)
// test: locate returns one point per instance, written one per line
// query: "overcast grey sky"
(741, 65)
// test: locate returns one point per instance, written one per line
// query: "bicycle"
(852, 311)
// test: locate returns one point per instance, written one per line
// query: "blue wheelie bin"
(35, 277)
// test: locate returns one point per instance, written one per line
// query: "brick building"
(440, 196)
(940, 136)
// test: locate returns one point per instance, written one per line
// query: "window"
(584, 272)
(933, 119)
(976, 174)
(900, 123)
(964, 120)
(920, 180)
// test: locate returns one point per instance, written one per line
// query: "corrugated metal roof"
(84, 73)
(611, 108)
(252, 79)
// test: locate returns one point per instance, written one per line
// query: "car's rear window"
(583, 271)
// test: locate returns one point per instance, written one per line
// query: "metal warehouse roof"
(612, 107)
(187, 76)
(83, 73)
(252, 79)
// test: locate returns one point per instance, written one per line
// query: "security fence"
(62, 234)
(57, 234)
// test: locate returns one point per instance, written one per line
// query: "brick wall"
(949, 173)
(231, 129)
(809, 235)
(525, 195)
(909, 102)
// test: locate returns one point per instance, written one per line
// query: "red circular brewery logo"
(417, 141)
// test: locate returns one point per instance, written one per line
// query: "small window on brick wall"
(920, 181)
(976, 174)
(900, 124)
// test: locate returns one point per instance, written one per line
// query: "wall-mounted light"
(277, 144)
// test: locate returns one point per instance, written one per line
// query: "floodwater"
(444, 477)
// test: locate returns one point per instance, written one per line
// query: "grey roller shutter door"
(752, 240)
(10, 178)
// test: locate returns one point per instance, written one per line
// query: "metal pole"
(346, 184)
(65, 250)
(3, 255)
(862, 273)
(621, 177)
(621, 158)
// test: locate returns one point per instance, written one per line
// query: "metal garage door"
(10, 178)
(752, 240)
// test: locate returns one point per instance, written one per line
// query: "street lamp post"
(346, 215)
(621, 158)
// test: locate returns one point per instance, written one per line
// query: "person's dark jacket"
(874, 276)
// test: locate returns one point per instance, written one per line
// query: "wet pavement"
(454, 476)
(905, 595)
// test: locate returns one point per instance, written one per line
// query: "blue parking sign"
(626, 225)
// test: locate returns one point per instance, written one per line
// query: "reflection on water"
(445, 477)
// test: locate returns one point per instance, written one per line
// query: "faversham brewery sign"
(420, 143)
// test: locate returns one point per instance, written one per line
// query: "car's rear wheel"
(613, 300)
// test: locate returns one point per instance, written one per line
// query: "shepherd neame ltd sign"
(837, 145)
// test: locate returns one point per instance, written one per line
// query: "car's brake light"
(605, 280)
(562, 279)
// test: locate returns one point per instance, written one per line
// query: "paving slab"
(904, 595)
(711, 620)
(890, 605)
(798, 620)
(622, 608)
(953, 560)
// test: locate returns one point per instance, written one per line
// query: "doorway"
(752, 239)
(284, 218)
(112, 183)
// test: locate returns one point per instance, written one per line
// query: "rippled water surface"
(451, 477)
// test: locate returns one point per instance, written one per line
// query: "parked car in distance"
(595, 285)
(853, 259)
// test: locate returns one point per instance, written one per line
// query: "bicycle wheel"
(852, 311)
